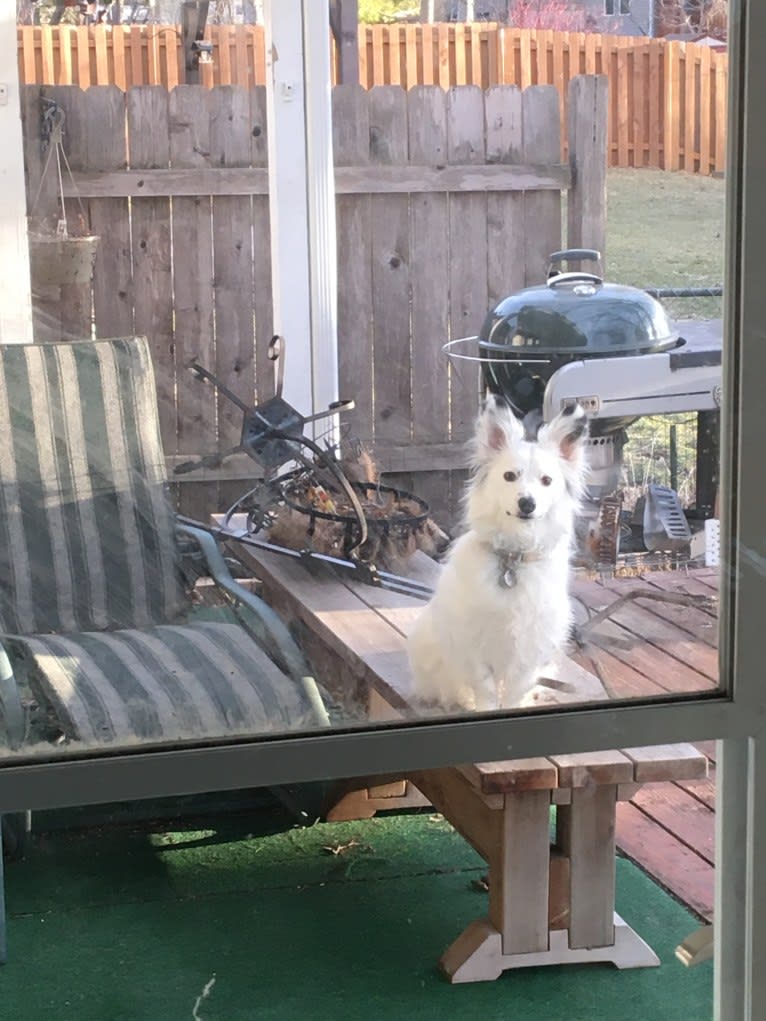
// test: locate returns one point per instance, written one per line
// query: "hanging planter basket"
(58, 257)
(61, 261)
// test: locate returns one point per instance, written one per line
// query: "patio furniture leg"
(519, 873)
(550, 908)
(585, 834)
(519, 879)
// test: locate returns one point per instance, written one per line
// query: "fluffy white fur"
(479, 643)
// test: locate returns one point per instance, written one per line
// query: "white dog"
(501, 608)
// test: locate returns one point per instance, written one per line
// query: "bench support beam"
(477, 955)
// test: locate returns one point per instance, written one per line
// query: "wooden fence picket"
(351, 144)
(148, 129)
(263, 311)
(429, 274)
(194, 304)
(468, 295)
(390, 271)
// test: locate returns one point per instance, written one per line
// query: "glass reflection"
(124, 626)
(123, 621)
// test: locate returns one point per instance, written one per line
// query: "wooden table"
(550, 901)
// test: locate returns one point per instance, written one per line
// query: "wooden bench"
(550, 901)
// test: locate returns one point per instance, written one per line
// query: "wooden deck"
(655, 648)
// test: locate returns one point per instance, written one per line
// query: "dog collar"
(510, 561)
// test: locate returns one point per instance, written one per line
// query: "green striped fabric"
(87, 538)
(206, 679)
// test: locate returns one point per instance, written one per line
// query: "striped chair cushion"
(203, 679)
(87, 536)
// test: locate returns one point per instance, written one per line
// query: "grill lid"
(576, 315)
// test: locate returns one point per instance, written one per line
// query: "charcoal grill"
(607, 346)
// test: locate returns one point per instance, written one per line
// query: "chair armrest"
(270, 631)
(11, 707)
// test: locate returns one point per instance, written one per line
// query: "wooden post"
(344, 22)
(587, 131)
(193, 20)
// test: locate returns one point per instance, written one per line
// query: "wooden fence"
(667, 100)
(447, 202)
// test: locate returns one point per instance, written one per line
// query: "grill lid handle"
(572, 255)
(568, 278)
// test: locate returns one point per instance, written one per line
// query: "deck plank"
(681, 870)
(619, 679)
(649, 644)
(700, 624)
(668, 828)
(678, 813)
(702, 790)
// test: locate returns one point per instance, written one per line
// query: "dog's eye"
(546, 480)
(510, 476)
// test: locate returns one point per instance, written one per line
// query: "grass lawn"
(666, 229)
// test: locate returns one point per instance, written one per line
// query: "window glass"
(514, 506)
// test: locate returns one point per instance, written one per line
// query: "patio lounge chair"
(101, 646)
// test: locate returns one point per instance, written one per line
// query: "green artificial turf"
(340, 921)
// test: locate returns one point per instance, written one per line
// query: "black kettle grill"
(572, 316)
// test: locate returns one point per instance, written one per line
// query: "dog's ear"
(497, 428)
(569, 431)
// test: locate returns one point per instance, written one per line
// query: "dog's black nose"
(526, 505)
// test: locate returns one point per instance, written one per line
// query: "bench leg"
(585, 834)
(527, 912)
(476, 955)
(519, 873)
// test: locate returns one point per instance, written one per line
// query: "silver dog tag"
(509, 578)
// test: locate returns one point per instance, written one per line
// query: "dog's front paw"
(433, 707)
(539, 695)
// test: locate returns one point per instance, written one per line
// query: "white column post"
(323, 253)
(15, 291)
(302, 198)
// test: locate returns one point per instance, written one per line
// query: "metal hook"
(276, 354)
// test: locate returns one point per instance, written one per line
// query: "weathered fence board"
(390, 272)
(110, 218)
(365, 179)
(193, 281)
(351, 141)
(233, 282)
(262, 307)
(429, 274)
(542, 210)
(505, 211)
(185, 256)
(148, 125)
(586, 202)
(468, 251)
(667, 99)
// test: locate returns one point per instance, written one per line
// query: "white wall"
(15, 298)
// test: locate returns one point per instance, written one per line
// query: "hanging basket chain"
(56, 145)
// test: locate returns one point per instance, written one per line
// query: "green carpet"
(334, 921)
